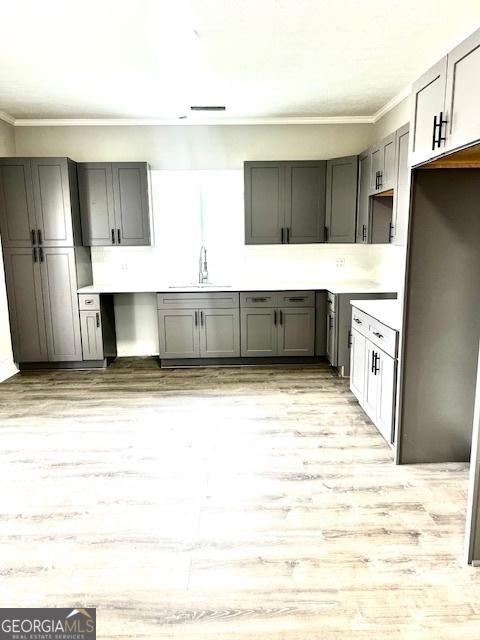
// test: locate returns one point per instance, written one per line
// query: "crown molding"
(136, 122)
(391, 104)
(6, 117)
(169, 122)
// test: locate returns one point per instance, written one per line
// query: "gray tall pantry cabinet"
(44, 260)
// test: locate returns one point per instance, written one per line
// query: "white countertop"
(389, 312)
(339, 286)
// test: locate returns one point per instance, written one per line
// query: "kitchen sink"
(198, 285)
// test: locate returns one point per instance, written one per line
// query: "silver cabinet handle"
(40, 251)
(33, 236)
(39, 236)
(358, 321)
(281, 317)
(302, 299)
(113, 236)
(34, 252)
(201, 318)
(118, 237)
(98, 319)
(259, 299)
(275, 317)
(196, 318)
(379, 335)
(88, 301)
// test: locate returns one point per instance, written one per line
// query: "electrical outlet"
(124, 266)
(340, 263)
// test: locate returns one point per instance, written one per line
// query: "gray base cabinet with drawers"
(97, 324)
(277, 323)
(373, 373)
(338, 326)
(198, 325)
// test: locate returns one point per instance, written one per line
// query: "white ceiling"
(260, 58)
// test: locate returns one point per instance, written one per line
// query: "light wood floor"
(236, 503)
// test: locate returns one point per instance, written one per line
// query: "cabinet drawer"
(251, 299)
(331, 301)
(206, 300)
(296, 298)
(89, 302)
(360, 321)
(382, 336)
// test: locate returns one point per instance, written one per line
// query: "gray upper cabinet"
(383, 165)
(17, 213)
(363, 197)
(25, 304)
(463, 93)
(53, 207)
(304, 202)
(131, 196)
(115, 203)
(95, 186)
(341, 199)
(62, 320)
(36, 207)
(428, 104)
(264, 202)
(401, 198)
(284, 202)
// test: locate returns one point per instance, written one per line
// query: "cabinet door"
(304, 202)
(178, 331)
(357, 364)
(296, 331)
(428, 99)
(17, 214)
(264, 202)
(62, 318)
(463, 93)
(131, 202)
(401, 198)
(363, 200)
(219, 333)
(341, 199)
(51, 191)
(387, 177)
(25, 304)
(332, 338)
(386, 395)
(258, 334)
(92, 340)
(376, 166)
(370, 393)
(95, 187)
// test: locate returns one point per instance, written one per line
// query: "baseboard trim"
(235, 362)
(7, 369)
(77, 365)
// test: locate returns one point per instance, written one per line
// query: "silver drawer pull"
(358, 321)
(259, 299)
(379, 335)
(296, 299)
(89, 301)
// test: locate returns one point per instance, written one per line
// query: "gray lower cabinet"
(43, 306)
(284, 202)
(38, 202)
(428, 106)
(25, 304)
(341, 200)
(92, 339)
(115, 203)
(373, 370)
(198, 325)
(59, 285)
(277, 323)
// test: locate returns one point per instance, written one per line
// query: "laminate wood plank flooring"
(232, 503)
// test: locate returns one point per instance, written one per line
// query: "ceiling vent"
(207, 108)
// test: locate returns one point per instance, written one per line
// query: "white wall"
(7, 368)
(174, 152)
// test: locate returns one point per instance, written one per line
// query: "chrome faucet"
(202, 266)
